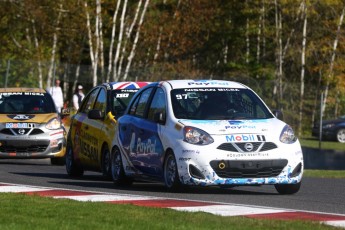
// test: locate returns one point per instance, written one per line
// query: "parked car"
(205, 133)
(30, 125)
(331, 129)
(92, 128)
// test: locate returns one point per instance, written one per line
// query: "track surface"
(316, 195)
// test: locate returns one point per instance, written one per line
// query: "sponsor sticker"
(19, 125)
(245, 155)
(245, 138)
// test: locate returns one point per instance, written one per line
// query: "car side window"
(134, 105)
(158, 104)
(138, 108)
(101, 101)
(89, 101)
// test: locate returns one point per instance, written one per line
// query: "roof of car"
(204, 84)
(22, 89)
(125, 85)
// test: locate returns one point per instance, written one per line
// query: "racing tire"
(117, 172)
(57, 161)
(72, 168)
(287, 189)
(171, 179)
(341, 135)
(106, 163)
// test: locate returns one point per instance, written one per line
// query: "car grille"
(241, 146)
(16, 132)
(22, 146)
(248, 168)
(26, 149)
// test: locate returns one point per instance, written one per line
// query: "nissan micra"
(30, 126)
(205, 133)
(92, 128)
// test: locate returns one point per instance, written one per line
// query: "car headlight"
(196, 136)
(54, 124)
(328, 126)
(287, 135)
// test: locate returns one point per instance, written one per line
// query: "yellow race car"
(30, 125)
(92, 129)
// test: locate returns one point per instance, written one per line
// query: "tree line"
(290, 51)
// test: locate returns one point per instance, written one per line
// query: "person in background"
(56, 93)
(78, 96)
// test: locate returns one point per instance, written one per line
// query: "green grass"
(19, 211)
(324, 173)
(314, 143)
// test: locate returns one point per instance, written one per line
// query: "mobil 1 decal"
(245, 138)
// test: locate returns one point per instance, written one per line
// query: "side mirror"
(95, 114)
(65, 112)
(159, 117)
(278, 114)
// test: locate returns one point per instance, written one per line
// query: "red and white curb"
(222, 209)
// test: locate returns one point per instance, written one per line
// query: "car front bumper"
(208, 166)
(45, 145)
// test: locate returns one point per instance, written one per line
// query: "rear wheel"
(117, 171)
(171, 180)
(72, 168)
(106, 162)
(287, 188)
(341, 135)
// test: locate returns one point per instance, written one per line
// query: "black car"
(331, 130)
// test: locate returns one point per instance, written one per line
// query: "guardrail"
(323, 159)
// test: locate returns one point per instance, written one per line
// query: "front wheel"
(286, 189)
(341, 135)
(117, 171)
(171, 180)
(106, 162)
(71, 166)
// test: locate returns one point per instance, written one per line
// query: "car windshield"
(120, 100)
(217, 104)
(26, 103)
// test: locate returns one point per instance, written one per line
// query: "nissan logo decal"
(249, 147)
(21, 131)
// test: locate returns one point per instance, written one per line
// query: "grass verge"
(314, 143)
(340, 174)
(19, 211)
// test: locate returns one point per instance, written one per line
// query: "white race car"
(205, 132)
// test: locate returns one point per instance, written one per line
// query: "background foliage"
(41, 40)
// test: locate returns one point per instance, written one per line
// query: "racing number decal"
(122, 95)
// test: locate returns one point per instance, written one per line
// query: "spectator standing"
(56, 93)
(78, 96)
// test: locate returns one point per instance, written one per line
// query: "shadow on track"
(94, 180)
(99, 181)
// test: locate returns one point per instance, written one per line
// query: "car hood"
(268, 127)
(27, 118)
